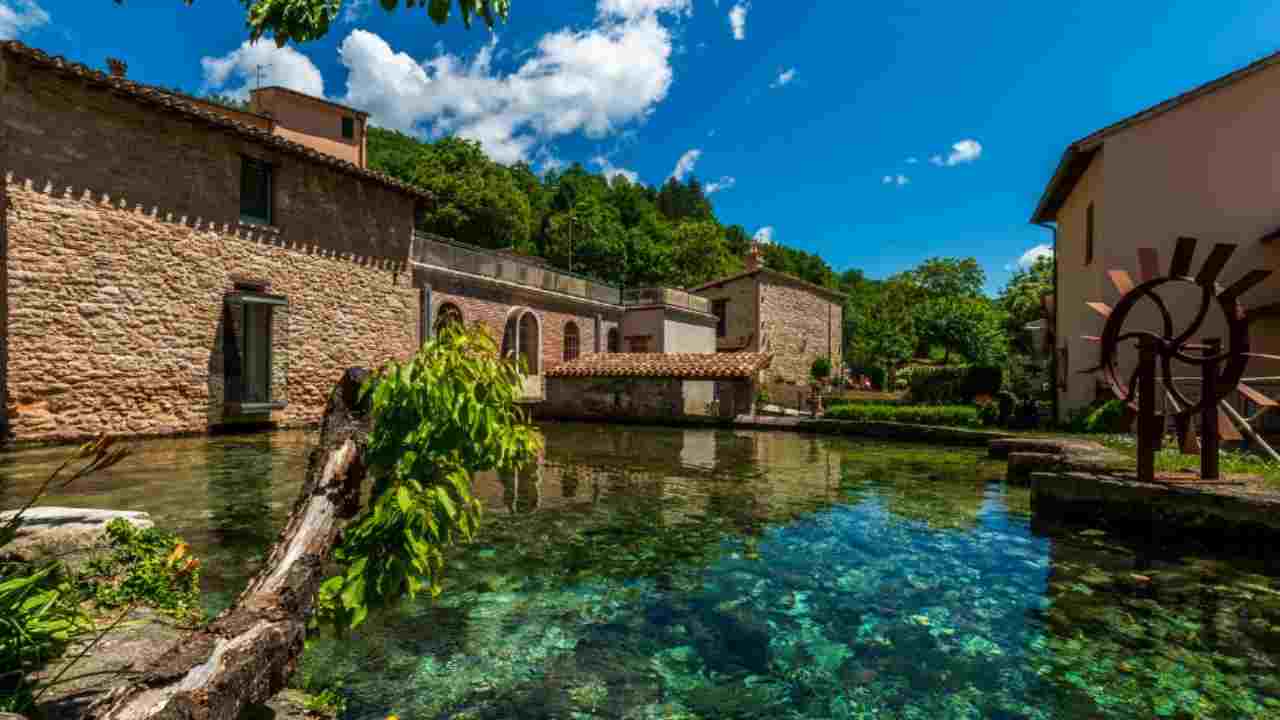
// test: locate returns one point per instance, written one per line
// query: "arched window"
(448, 314)
(615, 340)
(570, 341)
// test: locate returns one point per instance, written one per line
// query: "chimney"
(755, 257)
(117, 67)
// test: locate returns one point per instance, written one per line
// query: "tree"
(304, 20)
(949, 277)
(1021, 297)
(699, 254)
(477, 200)
(970, 326)
(419, 429)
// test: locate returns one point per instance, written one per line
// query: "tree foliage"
(611, 229)
(446, 413)
(304, 20)
(1021, 298)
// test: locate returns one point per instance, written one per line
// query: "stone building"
(765, 311)
(168, 267)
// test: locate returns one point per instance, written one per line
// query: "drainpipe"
(1057, 306)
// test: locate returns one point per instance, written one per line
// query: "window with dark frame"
(615, 340)
(248, 353)
(255, 191)
(719, 308)
(348, 128)
(1088, 234)
(570, 341)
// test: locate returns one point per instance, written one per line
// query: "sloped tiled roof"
(165, 100)
(693, 366)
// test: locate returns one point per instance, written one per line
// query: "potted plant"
(820, 371)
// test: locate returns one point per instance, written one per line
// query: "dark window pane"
(570, 342)
(1088, 235)
(348, 128)
(255, 191)
(719, 308)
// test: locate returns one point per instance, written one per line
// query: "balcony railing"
(434, 250)
(666, 296)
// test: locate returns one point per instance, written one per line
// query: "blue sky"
(807, 117)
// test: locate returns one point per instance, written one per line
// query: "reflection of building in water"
(699, 449)
(241, 470)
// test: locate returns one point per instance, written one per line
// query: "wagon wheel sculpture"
(1222, 365)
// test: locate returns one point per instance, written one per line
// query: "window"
(719, 308)
(615, 340)
(448, 315)
(570, 341)
(638, 343)
(248, 360)
(255, 191)
(348, 128)
(1088, 234)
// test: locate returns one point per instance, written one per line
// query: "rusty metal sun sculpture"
(1222, 365)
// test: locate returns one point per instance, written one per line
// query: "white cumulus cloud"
(685, 164)
(610, 172)
(593, 81)
(723, 183)
(1029, 257)
(764, 235)
(738, 20)
(898, 180)
(631, 9)
(965, 151)
(784, 78)
(284, 66)
(19, 16)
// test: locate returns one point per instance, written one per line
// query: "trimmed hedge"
(951, 384)
(949, 415)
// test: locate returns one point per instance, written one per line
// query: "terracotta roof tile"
(164, 99)
(692, 366)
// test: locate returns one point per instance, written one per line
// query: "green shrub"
(1109, 417)
(146, 566)
(950, 415)
(821, 369)
(951, 384)
(877, 375)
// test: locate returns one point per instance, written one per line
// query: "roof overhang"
(1073, 165)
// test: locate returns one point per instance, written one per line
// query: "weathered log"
(245, 655)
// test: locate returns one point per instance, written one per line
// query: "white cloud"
(631, 9)
(913, 160)
(284, 66)
(965, 151)
(738, 20)
(593, 81)
(610, 172)
(898, 180)
(685, 164)
(764, 235)
(784, 78)
(19, 16)
(1029, 257)
(723, 183)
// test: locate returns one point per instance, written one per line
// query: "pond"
(651, 573)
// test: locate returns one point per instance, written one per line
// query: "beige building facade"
(1201, 165)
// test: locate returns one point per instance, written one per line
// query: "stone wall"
(115, 316)
(490, 302)
(740, 312)
(797, 326)
(67, 133)
(632, 398)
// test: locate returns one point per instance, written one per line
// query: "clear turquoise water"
(644, 573)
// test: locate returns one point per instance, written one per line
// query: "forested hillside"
(611, 229)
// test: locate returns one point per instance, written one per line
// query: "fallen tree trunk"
(245, 655)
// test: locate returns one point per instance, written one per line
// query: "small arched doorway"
(530, 339)
(571, 341)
